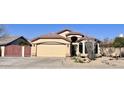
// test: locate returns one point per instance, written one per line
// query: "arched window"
(96, 49)
(74, 39)
(80, 48)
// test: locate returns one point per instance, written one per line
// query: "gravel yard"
(57, 63)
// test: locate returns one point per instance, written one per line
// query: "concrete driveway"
(31, 62)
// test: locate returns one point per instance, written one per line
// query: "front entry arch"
(73, 50)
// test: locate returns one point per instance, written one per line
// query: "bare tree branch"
(3, 31)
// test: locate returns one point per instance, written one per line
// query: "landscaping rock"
(84, 60)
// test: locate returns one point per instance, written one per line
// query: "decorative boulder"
(85, 60)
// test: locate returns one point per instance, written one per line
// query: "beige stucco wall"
(52, 50)
(64, 33)
(78, 36)
(110, 51)
(46, 40)
(33, 51)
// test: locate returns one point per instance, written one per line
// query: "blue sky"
(99, 31)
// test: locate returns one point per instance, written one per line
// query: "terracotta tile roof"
(51, 36)
(57, 36)
(88, 38)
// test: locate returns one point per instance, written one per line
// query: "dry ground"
(58, 63)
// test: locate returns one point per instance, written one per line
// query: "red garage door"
(13, 51)
(27, 51)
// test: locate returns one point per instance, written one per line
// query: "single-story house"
(15, 46)
(62, 44)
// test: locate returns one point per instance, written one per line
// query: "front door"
(73, 50)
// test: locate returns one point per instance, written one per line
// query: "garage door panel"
(51, 50)
(13, 50)
(27, 51)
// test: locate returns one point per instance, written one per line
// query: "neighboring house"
(62, 44)
(13, 46)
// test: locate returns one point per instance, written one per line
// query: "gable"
(51, 36)
(20, 41)
(64, 32)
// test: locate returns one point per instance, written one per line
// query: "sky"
(99, 31)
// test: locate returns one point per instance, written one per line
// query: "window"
(96, 49)
(86, 49)
(80, 48)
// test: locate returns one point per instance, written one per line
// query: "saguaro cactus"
(90, 50)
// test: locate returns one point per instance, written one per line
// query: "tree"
(106, 47)
(118, 43)
(106, 43)
(2, 31)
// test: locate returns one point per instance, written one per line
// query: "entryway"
(73, 46)
(73, 50)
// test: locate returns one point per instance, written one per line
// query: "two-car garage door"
(51, 50)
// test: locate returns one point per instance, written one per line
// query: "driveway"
(31, 62)
(57, 63)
